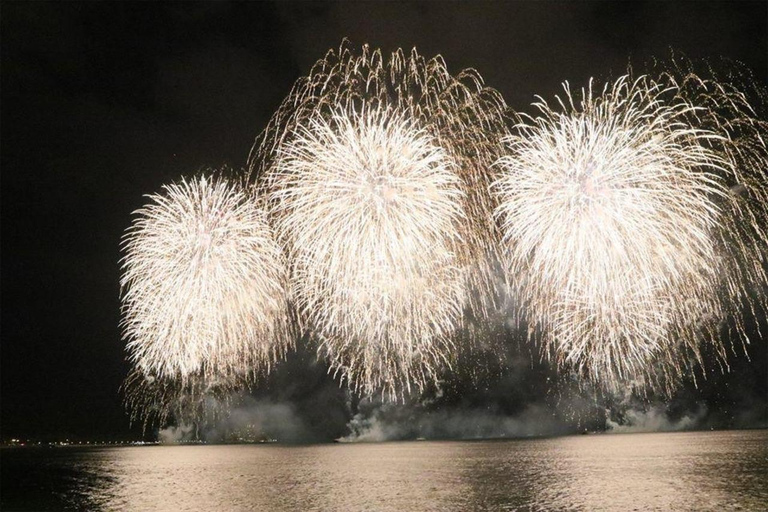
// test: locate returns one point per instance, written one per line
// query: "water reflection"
(679, 471)
(382, 476)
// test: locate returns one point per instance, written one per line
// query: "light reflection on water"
(677, 471)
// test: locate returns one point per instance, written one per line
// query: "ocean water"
(665, 471)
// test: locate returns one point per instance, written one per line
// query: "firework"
(203, 287)
(624, 236)
(376, 176)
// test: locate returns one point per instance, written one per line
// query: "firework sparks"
(203, 286)
(376, 176)
(623, 235)
(197, 399)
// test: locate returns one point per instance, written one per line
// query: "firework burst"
(203, 287)
(376, 175)
(625, 239)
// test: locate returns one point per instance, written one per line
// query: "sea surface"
(664, 471)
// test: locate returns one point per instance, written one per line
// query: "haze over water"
(663, 471)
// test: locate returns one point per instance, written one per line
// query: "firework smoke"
(376, 175)
(203, 298)
(624, 235)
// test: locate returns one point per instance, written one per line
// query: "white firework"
(616, 214)
(377, 174)
(368, 206)
(203, 286)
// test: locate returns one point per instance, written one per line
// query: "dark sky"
(102, 103)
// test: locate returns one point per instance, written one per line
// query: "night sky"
(103, 103)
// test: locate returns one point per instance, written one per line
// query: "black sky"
(104, 102)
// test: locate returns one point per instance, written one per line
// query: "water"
(674, 471)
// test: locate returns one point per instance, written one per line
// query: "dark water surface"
(674, 471)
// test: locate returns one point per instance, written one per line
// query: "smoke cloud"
(177, 434)
(654, 419)
(258, 421)
(386, 424)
